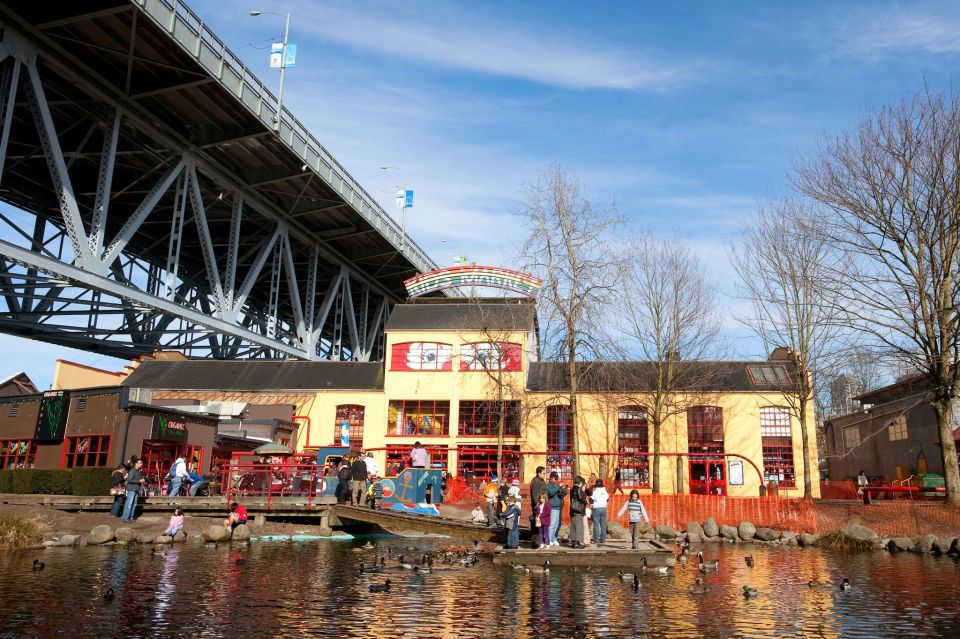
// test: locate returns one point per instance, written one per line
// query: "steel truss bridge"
(156, 199)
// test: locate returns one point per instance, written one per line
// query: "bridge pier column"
(325, 529)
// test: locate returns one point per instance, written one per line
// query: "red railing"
(273, 480)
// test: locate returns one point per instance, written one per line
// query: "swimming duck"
(541, 570)
(659, 570)
(698, 588)
(368, 545)
(38, 565)
(684, 555)
(421, 571)
(707, 564)
(385, 587)
(636, 582)
(364, 568)
(108, 594)
(750, 592)
(846, 585)
(748, 560)
(626, 576)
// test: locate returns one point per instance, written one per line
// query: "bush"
(18, 531)
(58, 481)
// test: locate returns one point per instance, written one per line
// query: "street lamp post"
(283, 62)
(403, 215)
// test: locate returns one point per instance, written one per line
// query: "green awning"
(272, 449)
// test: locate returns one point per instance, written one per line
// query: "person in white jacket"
(178, 472)
(600, 499)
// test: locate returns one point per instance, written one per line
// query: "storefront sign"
(169, 430)
(52, 418)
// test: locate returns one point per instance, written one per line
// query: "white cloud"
(879, 31)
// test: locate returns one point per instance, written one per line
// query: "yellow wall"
(69, 375)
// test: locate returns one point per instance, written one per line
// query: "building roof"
(704, 376)
(262, 375)
(426, 314)
(18, 384)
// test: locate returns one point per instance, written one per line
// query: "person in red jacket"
(237, 516)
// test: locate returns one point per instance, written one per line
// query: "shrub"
(838, 541)
(91, 481)
(56, 481)
(6, 482)
(18, 531)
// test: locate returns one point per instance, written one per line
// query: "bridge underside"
(154, 199)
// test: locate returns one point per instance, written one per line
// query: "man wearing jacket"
(578, 508)
(555, 494)
(358, 481)
(537, 486)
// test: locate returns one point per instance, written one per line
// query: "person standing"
(117, 480)
(511, 519)
(638, 514)
(358, 481)
(600, 499)
(862, 483)
(343, 482)
(490, 496)
(372, 466)
(578, 507)
(178, 472)
(541, 514)
(419, 457)
(555, 494)
(133, 485)
(538, 485)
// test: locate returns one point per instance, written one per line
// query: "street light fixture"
(283, 62)
(403, 215)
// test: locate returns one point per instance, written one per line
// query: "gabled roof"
(17, 384)
(262, 375)
(703, 376)
(426, 314)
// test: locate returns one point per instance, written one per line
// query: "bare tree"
(893, 192)
(670, 313)
(567, 245)
(784, 270)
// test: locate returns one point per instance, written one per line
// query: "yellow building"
(453, 367)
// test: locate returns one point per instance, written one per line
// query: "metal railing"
(188, 30)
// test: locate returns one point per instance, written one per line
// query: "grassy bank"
(19, 531)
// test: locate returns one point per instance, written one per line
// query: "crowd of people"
(588, 500)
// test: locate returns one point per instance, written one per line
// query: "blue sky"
(686, 115)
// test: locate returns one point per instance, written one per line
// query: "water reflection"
(313, 589)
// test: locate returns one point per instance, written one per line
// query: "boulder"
(788, 535)
(125, 535)
(729, 532)
(215, 533)
(925, 543)
(694, 538)
(746, 530)
(69, 540)
(694, 527)
(943, 545)
(667, 532)
(180, 536)
(163, 539)
(808, 539)
(711, 528)
(901, 543)
(767, 534)
(617, 530)
(100, 534)
(711, 540)
(859, 533)
(241, 533)
(145, 538)
(645, 528)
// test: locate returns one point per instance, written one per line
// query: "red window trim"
(356, 429)
(407, 369)
(29, 458)
(65, 450)
(391, 425)
(510, 405)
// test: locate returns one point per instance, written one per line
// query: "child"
(542, 513)
(375, 492)
(511, 519)
(237, 516)
(637, 514)
(477, 516)
(176, 523)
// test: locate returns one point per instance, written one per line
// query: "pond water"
(314, 589)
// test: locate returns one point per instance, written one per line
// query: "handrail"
(179, 21)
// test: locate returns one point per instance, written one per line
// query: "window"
(768, 374)
(14, 410)
(90, 450)
(480, 461)
(81, 404)
(632, 446)
(705, 430)
(413, 417)
(491, 356)
(898, 428)
(17, 453)
(559, 442)
(851, 437)
(421, 356)
(777, 445)
(353, 415)
(398, 458)
(481, 418)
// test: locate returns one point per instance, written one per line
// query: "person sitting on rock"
(176, 523)
(237, 516)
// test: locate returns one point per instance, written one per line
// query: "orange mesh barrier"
(891, 518)
(838, 490)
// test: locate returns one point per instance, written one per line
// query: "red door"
(708, 477)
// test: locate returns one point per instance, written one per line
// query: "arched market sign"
(456, 276)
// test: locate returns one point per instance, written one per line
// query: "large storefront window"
(482, 418)
(398, 458)
(352, 415)
(17, 453)
(89, 450)
(480, 461)
(632, 446)
(418, 418)
(777, 446)
(158, 457)
(705, 430)
(559, 441)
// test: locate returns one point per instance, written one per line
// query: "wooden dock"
(613, 554)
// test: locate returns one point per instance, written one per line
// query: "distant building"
(843, 391)
(17, 384)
